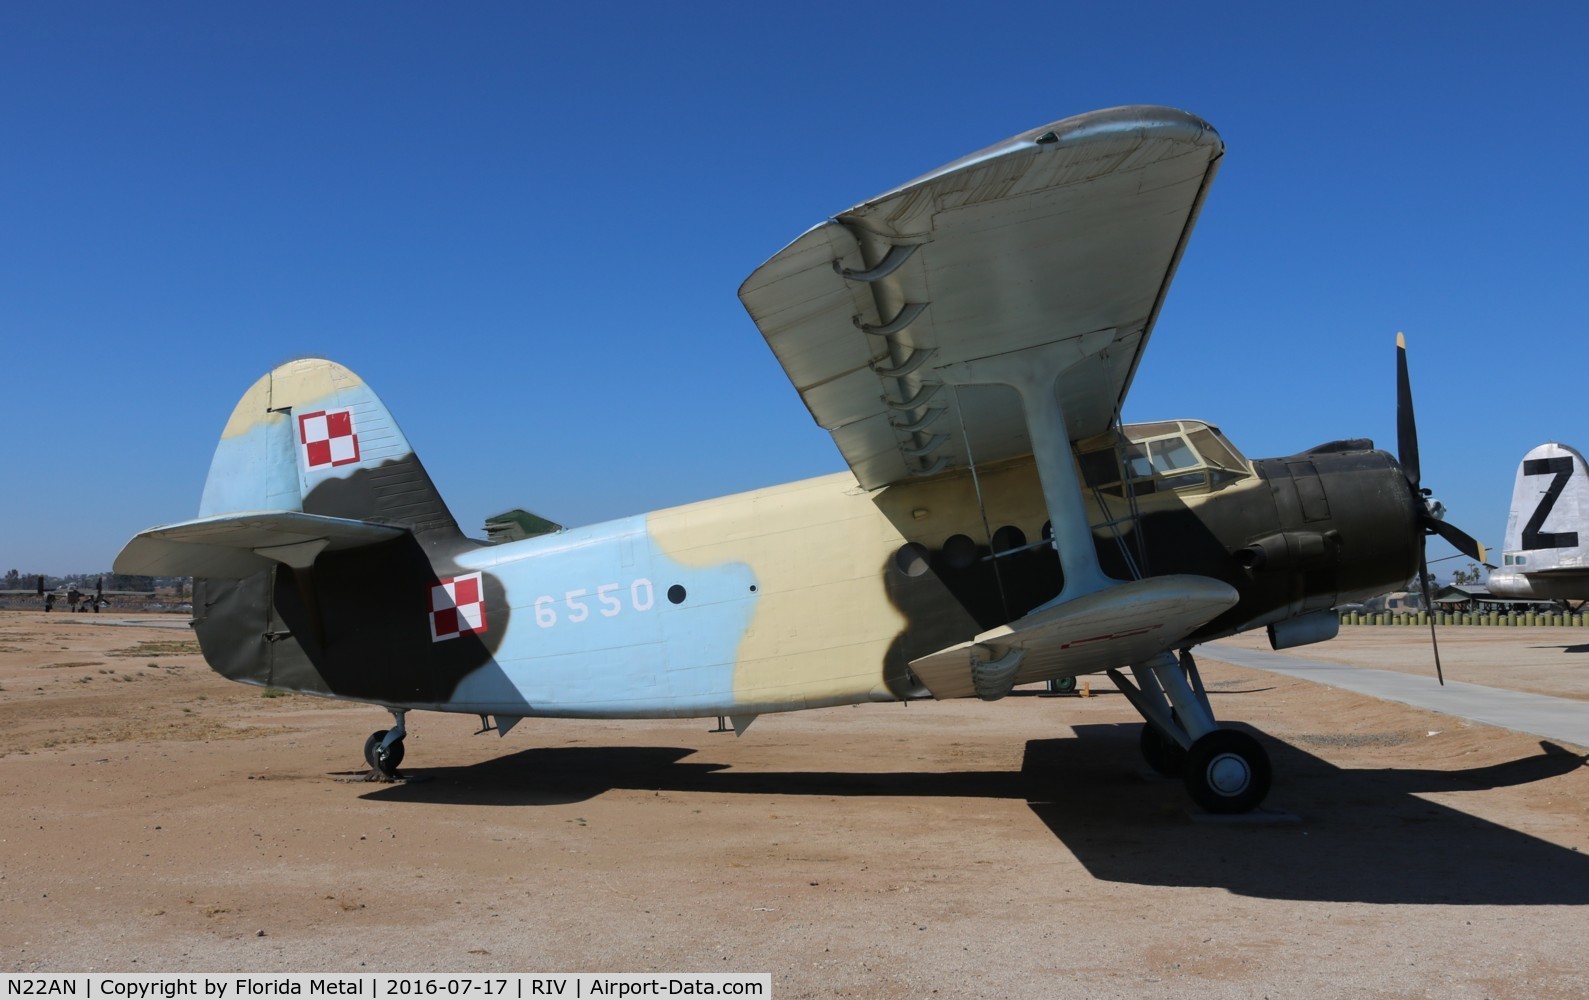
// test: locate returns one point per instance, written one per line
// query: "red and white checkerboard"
(457, 605)
(328, 438)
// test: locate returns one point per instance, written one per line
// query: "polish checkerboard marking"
(328, 438)
(457, 605)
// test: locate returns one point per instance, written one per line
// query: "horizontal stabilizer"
(234, 546)
(1113, 627)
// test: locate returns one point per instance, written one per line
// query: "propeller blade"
(1406, 424)
(1459, 539)
(1428, 607)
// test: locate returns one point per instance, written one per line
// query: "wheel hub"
(1229, 774)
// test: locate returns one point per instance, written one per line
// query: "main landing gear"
(383, 751)
(1225, 770)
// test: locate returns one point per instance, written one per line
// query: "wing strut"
(1032, 373)
(987, 529)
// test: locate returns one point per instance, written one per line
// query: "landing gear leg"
(1225, 770)
(383, 751)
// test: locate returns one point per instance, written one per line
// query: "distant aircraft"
(1545, 556)
(967, 339)
(74, 597)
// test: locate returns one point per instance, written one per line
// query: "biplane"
(967, 339)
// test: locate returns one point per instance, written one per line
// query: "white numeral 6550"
(608, 599)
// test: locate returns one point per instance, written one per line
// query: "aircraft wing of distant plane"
(1065, 234)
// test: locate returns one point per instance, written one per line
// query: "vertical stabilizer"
(311, 436)
(1548, 528)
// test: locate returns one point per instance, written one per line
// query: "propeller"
(1430, 511)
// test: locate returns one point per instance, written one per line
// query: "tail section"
(310, 461)
(311, 436)
(1548, 528)
(320, 549)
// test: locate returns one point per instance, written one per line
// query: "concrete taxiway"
(1554, 718)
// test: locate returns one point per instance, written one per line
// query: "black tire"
(386, 760)
(370, 745)
(1227, 771)
(1163, 755)
(1063, 685)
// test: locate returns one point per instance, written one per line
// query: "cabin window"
(959, 551)
(1008, 538)
(1100, 468)
(911, 559)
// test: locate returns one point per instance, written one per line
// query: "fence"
(1511, 618)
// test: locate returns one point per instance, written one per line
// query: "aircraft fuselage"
(804, 595)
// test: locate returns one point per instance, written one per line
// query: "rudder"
(311, 436)
(1548, 526)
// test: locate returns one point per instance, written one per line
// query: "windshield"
(1180, 455)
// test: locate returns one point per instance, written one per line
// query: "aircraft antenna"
(976, 482)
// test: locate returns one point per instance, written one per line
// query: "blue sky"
(525, 226)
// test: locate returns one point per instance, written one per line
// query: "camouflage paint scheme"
(793, 597)
(967, 339)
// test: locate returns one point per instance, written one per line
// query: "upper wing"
(1069, 230)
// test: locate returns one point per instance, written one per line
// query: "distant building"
(1471, 597)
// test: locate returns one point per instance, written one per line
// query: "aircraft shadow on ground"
(1365, 834)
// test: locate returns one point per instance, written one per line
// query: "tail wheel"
(370, 745)
(1227, 771)
(387, 759)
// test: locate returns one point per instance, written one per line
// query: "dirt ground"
(160, 818)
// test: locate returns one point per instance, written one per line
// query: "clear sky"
(524, 225)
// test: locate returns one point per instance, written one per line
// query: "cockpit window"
(1170, 454)
(1179, 455)
(1137, 464)
(1216, 451)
